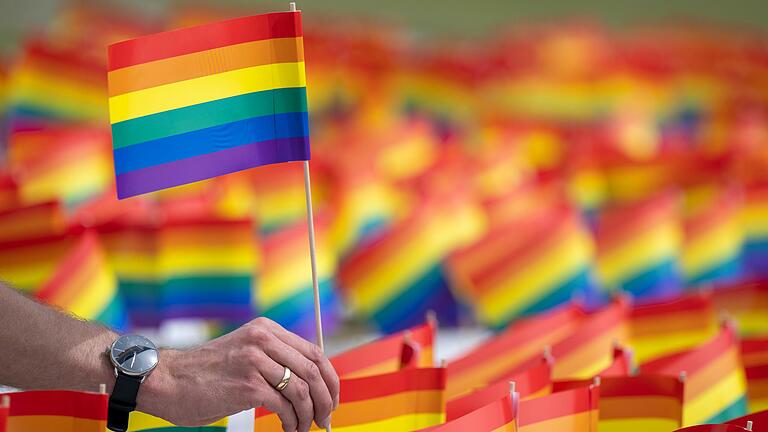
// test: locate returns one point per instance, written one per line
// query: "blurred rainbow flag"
(496, 416)
(573, 410)
(755, 220)
(396, 277)
(84, 284)
(141, 422)
(754, 352)
(59, 410)
(527, 265)
(284, 292)
(206, 267)
(715, 383)
(637, 248)
(644, 403)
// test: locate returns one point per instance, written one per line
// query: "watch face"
(134, 355)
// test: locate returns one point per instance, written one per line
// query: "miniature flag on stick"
(195, 103)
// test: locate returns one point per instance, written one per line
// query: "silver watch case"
(133, 355)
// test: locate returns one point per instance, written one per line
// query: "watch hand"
(133, 359)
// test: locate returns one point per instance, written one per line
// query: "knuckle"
(312, 372)
(258, 334)
(302, 391)
(315, 354)
(262, 322)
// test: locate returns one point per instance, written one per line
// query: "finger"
(272, 400)
(297, 392)
(313, 353)
(322, 401)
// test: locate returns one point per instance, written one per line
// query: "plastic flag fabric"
(760, 420)
(283, 291)
(754, 353)
(386, 355)
(638, 246)
(526, 266)
(756, 229)
(746, 303)
(530, 383)
(199, 102)
(85, 285)
(57, 410)
(665, 328)
(141, 422)
(715, 384)
(644, 403)
(573, 410)
(407, 400)
(509, 350)
(589, 349)
(497, 416)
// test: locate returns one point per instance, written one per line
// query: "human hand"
(239, 371)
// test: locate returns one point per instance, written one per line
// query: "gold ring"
(284, 382)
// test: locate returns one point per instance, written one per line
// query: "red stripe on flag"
(59, 403)
(204, 37)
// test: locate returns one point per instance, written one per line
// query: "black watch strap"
(122, 401)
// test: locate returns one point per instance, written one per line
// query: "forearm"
(43, 348)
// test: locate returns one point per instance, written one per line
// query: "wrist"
(159, 388)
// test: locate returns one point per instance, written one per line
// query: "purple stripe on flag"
(211, 165)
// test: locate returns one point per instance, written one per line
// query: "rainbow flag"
(715, 384)
(531, 383)
(32, 221)
(67, 163)
(623, 363)
(497, 416)
(284, 292)
(665, 328)
(9, 189)
(746, 303)
(754, 353)
(712, 240)
(206, 268)
(396, 277)
(386, 355)
(400, 401)
(85, 285)
(278, 195)
(526, 266)
(588, 350)
(645, 403)
(57, 410)
(755, 220)
(141, 422)
(26, 264)
(509, 350)
(55, 83)
(573, 410)
(199, 102)
(637, 248)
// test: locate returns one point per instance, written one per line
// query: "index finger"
(314, 354)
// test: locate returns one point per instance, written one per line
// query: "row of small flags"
(566, 370)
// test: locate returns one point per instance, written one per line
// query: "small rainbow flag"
(665, 328)
(85, 285)
(531, 383)
(497, 416)
(57, 410)
(588, 350)
(645, 403)
(32, 221)
(573, 410)
(754, 353)
(746, 303)
(712, 240)
(408, 400)
(199, 102)
(284, 292)
(637, 248)
(755, 220)
(715, 383)
(5, 402)
(141, 422)
(386, 355)
(526, 266)
(509, 350)
(278, 195)
(206, 267)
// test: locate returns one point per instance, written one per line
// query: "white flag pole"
(312, 251)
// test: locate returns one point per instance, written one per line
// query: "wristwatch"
(134, 357)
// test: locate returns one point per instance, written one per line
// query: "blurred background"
(482, 161)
